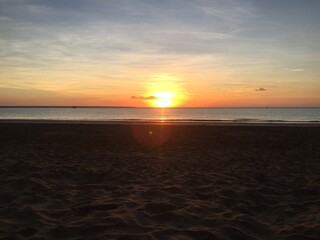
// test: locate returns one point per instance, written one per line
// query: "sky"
(196, 53)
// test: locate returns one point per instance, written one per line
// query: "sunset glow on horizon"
(165, 91)
(163, 99)
(191, 53)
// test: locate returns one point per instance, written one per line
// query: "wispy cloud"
(229, 12)
(261, 89)
(297, 70)
(144, 98)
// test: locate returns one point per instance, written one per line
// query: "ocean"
(251, 115)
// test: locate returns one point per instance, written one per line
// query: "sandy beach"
(153, 181)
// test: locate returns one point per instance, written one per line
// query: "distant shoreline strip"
(169, 122)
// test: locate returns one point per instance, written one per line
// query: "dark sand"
(87, 181)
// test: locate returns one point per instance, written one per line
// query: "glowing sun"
(165, 90)
(163, 99)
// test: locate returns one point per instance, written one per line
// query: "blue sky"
(102, 52)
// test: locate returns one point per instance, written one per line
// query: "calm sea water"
(173, 114)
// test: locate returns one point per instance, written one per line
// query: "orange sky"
(184, 93)
(200, 54)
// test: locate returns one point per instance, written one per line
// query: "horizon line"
(93, 106)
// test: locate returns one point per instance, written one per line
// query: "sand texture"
(126, 182)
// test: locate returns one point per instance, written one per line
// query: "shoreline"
(168, 122)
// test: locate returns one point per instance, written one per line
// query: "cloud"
(144, 98)
(260, 89)
(295, 69)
